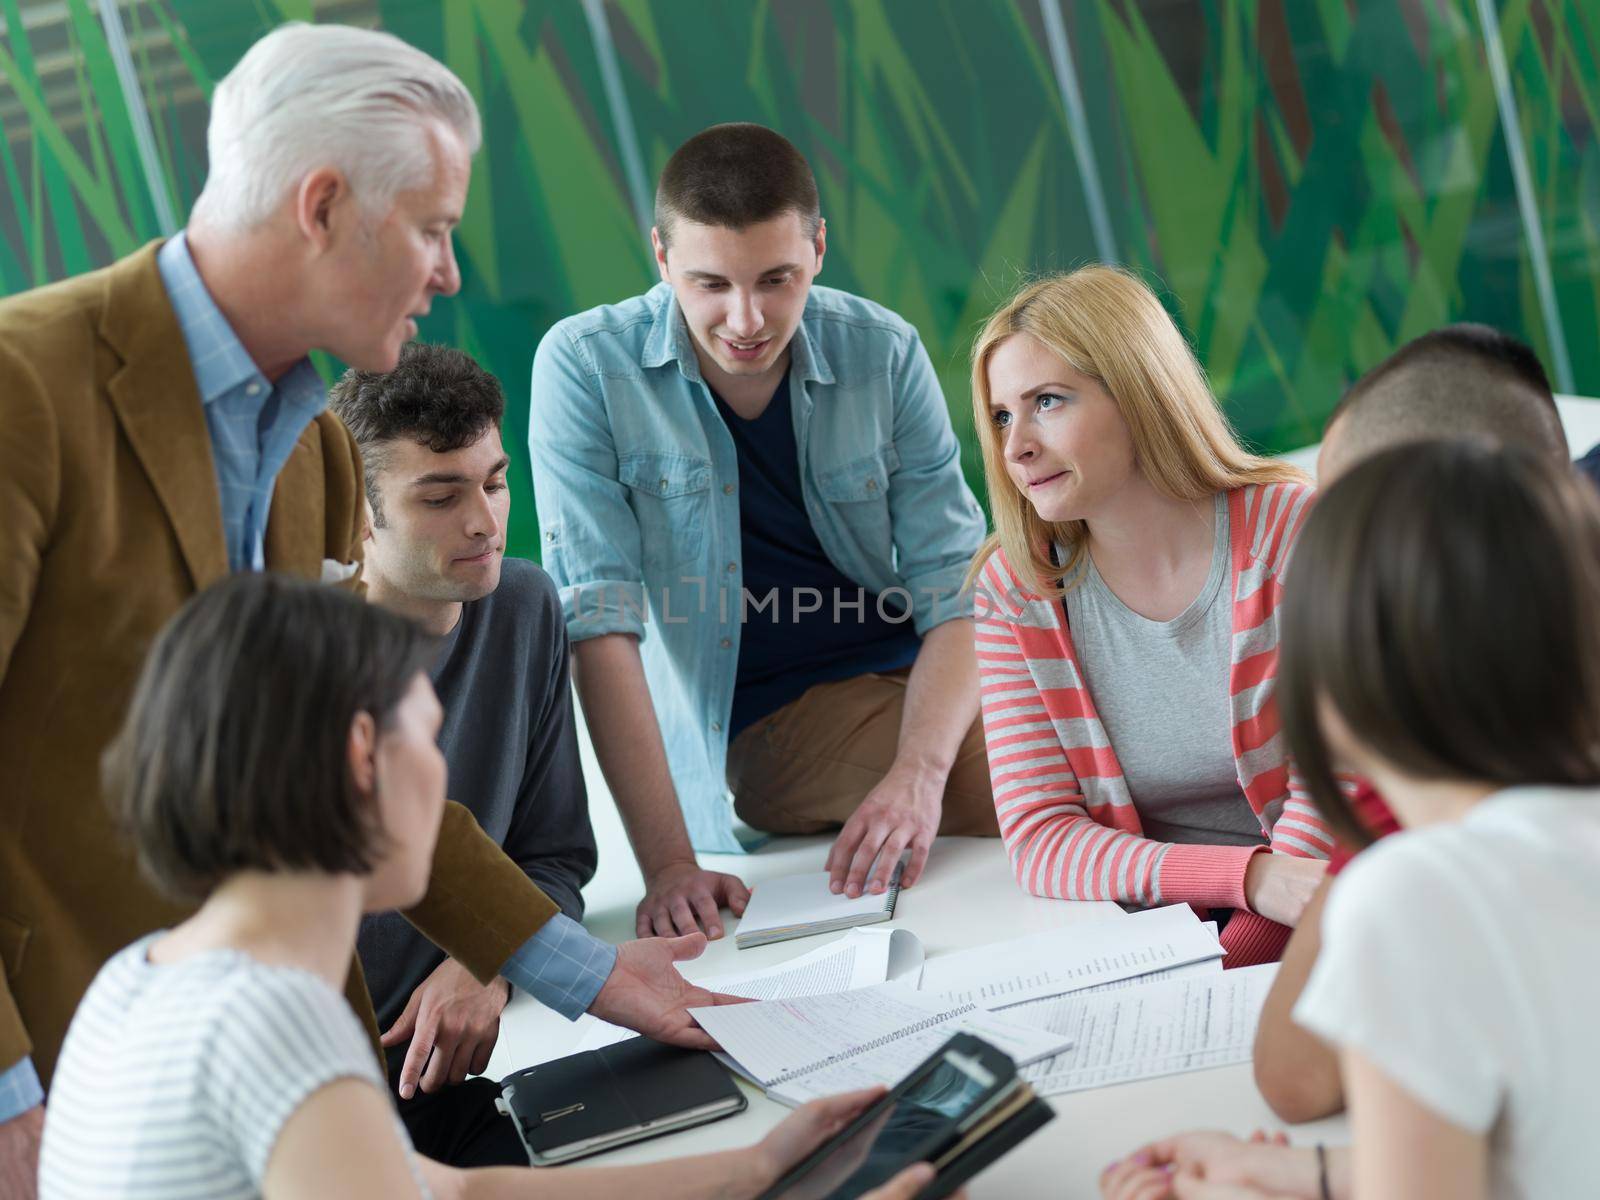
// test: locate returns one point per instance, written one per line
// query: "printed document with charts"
(816, 1046)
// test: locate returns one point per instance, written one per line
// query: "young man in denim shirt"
(751, 500)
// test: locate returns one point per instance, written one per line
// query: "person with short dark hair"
(1439, 639)
(1462, 380)
(751, 498)
(438, 502)
(279, 766)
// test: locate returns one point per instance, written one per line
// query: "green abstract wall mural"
(1307, 182)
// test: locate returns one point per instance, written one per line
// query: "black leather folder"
(587, 1103)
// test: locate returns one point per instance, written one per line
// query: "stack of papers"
(800, 905)
(1085, 1006)
(816, 1046)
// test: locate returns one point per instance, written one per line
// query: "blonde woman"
(1127, 619)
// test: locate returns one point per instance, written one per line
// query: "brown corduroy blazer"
(109, 520)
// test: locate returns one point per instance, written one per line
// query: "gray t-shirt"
(1161, 689)
(511, 745)
(175, 1080)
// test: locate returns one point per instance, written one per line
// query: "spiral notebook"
(793, 906)
(814, 1046)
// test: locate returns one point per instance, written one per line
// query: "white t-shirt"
(1461, 960)
(175, 1081)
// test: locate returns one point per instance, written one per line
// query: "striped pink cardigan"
(1069, 824)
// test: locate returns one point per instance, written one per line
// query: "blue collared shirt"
(254, 424)
(19, 1089)
(563, 966)
(636, 481)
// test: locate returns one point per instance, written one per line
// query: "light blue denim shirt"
(636, 482)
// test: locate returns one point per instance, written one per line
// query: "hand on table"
(19, 1154)
(1214, 1166)
(1279, 886)
(901, 812)
(683, 898)
(453, 1022)
(645, 993)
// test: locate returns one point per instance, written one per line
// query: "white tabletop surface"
(967, 897)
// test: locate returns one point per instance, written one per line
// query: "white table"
(967, 897)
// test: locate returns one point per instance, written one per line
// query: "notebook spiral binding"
(876, 1043)
(892, 893)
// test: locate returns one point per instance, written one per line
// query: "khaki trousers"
(806, 767)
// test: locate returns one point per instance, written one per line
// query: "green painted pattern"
(1307, 182)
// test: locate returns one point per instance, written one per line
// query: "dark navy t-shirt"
(802, 621)
(1589, 465)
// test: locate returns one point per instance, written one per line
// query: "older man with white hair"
(162, 426)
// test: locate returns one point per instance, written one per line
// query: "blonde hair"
(1106, 324)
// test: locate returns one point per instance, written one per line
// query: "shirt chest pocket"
(857, 495)
(670, 496)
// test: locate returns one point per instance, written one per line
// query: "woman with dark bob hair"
(1442, 639)
(278, 766)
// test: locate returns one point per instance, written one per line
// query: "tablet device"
(960, 1109)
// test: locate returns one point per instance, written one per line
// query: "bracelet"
(1322, 1173)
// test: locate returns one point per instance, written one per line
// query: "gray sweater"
(512, 749)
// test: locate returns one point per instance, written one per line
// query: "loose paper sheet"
(1065, 960)
(859, 959)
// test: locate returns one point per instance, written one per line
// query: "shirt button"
(550, 535)
(726, 643)
(663, 485)
(727, 489)
(716, 727)
(252, 389)
(732, 567)
(872, 485)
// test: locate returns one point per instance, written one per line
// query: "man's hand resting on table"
(453, 1022)
(19, 1154)
(682, 898)
(645, 993)
(902, 811)
(1279, 886)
